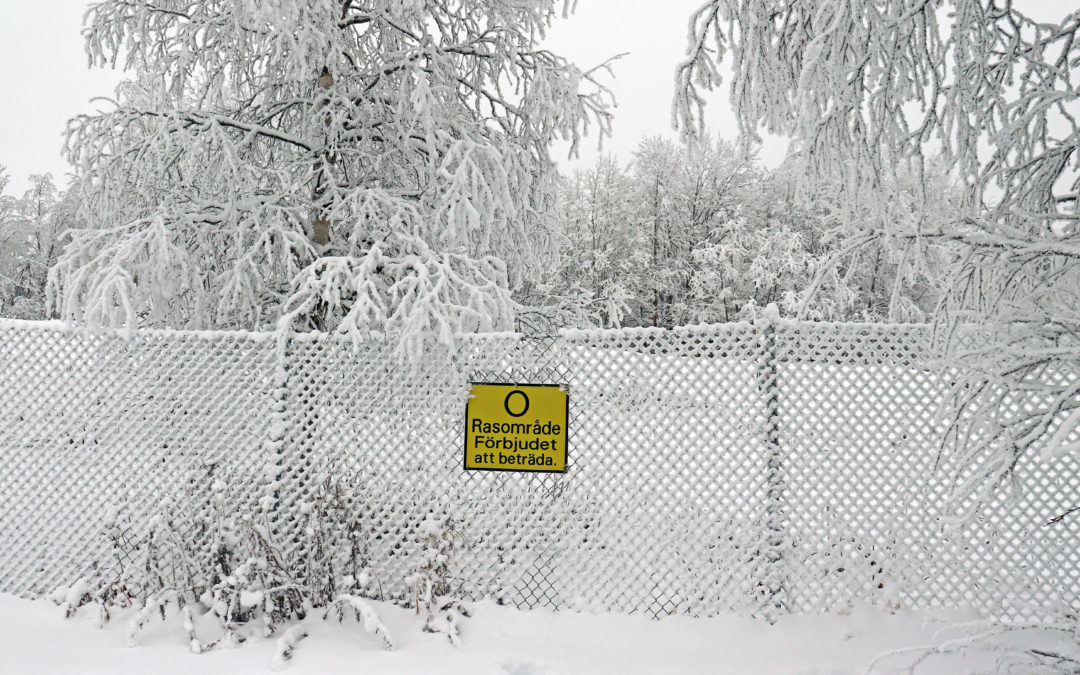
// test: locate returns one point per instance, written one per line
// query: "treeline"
(684, 235)
(678, 235)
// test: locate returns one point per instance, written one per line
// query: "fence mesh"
(760, 469)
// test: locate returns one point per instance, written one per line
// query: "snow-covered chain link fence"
(759, 469)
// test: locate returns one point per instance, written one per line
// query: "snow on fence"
(760, 469)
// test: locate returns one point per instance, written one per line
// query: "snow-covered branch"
(872, 92)
(267, 151)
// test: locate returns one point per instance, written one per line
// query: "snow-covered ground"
(497, 640)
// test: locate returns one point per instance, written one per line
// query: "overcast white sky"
(44, 77)
(44, 80)
(654, 42)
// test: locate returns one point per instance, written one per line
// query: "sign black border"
(465, 448)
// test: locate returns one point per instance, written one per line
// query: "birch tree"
(689, 193)
(762, 251)
(606, 242)
(866, 90)
(10, 245)
(31, 237)
(328, 164)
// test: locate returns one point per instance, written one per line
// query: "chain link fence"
(758, 469)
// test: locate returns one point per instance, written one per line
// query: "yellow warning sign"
(516, 427)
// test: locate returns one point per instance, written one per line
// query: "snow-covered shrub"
(239, 580)
(1047, 647)
(335, 557)
(107, 587)
(364, 613)
(252, 582)
(218, 562)
(430, 579)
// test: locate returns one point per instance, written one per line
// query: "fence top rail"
(58, 326)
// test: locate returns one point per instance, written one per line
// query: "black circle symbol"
(506, 403)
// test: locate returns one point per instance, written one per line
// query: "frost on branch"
(1046, 647)
(406, 289)
(868, 92)
(268, 151)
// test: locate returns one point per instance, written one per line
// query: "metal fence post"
(275, 444)
(775, 577)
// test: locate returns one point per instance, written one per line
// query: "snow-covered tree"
(684, 191)
(8, 241)
(605, 255)
(31, 238)
(868, 91)
(883, 278)
(762, 251)
(332, 164)
(656, 169)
